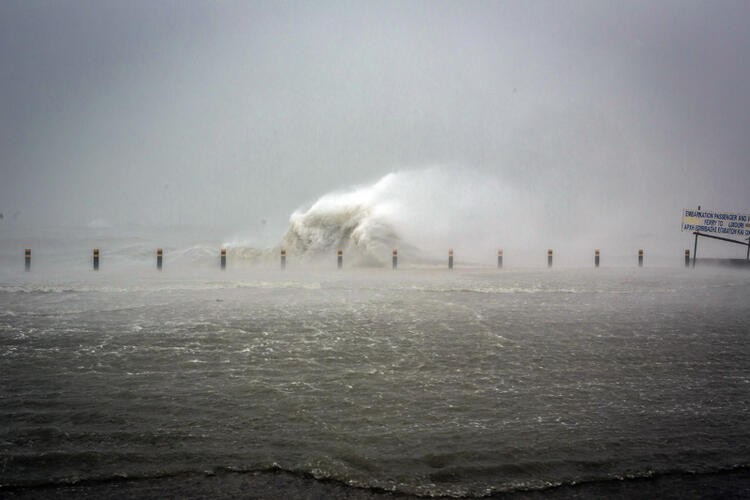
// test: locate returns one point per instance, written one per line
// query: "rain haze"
(403, 135)
(602, 119)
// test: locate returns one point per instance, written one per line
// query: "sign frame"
(715, 222)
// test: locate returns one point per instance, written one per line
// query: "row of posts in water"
(340, 258)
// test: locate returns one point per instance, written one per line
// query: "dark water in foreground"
(532, 384)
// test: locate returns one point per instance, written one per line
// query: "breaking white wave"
(421, 213)
(361, 222)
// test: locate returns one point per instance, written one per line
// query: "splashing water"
(360, 222)
(425, 212)
(420, 212)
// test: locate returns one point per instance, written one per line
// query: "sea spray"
(424, 212)
(421, 212)
(360, 222)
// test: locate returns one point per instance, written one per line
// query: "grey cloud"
(248, 110)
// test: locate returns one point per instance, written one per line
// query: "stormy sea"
(362, 383)
(366, 381)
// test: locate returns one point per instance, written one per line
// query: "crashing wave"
(358, 222)
(420, 212)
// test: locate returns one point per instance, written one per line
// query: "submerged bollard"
(450, 258)
(283, 259)
(596, 258)
(340, 260)
(395, 259)
(27, 259)
(640, 258)
(500, 258)
(549, 258)
(159, 258)
(96, 259)
(687, 258)
(223, 259)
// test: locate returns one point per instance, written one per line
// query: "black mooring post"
(96, 259)
(283, 259)
(223, 259)
(596, 258)
(500, 258)
(687, 257)
(640, 258)
(395, 259)
(695, 249)
(450, 258)
(159, 258)
(27, 259)
(340, 259)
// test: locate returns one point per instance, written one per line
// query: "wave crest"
(358, 222)
(420, 212)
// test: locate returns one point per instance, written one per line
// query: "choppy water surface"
(467, 383)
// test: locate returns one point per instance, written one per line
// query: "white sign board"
(720, 223)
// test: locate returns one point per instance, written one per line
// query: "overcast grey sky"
(164, 112)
